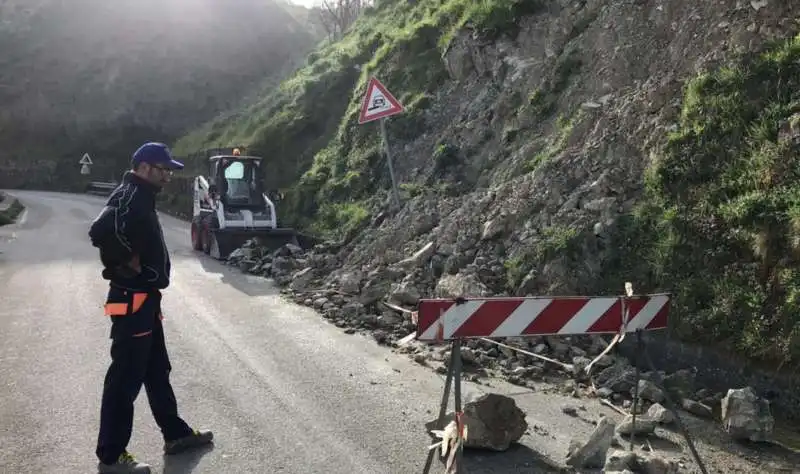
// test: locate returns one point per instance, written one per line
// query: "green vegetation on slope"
(308, 127)
(720, 226)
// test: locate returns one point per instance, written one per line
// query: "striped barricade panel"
(444, 319)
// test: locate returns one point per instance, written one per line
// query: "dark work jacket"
(128, 225)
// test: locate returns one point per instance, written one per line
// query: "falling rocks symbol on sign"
(377, 103)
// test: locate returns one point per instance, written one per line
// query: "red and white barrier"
(464, 318)
(444, 319)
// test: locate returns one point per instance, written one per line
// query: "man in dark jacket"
(137, 265)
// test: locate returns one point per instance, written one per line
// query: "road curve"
(283, 390)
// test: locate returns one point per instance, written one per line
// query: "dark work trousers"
(138, 357)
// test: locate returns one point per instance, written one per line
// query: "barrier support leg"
(453, 372)
(635, 408)
(671, 405)
(457, 395)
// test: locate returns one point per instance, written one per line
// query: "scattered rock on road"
(696, 408)
(643, 425)
(659, 414)
(649, 391)
(494, 422)
(592, 453)
(746, 416)
(627, 461)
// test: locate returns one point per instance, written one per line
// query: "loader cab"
(237, 180)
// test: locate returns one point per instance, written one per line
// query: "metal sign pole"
(395, 193)
(378, 104)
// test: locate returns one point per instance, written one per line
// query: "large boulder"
(493, 422)
(350, 282)
(644, 425)
(619, 377)
(374, 290)
(461, 284)
(659, 414)
(592, 453)
(405, 292)
(302, 279)
(746, 416)
(650, 391)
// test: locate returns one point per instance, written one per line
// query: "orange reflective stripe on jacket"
(121, 309)
(116, 309)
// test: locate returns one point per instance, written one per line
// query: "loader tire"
(197, 236)
(208, 225)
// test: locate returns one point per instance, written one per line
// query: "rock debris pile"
(355, 299)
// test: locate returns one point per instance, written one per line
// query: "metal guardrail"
(101, 188)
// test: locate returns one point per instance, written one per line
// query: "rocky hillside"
(101, 77)
(555, 148)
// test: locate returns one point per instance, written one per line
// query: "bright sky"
(306, 3)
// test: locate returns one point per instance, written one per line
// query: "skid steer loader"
(231, 207)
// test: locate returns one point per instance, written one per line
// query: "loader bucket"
(277, 238)
(225, 241)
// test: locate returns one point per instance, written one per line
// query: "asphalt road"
(283, 390)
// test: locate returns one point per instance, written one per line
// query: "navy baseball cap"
(156, 154)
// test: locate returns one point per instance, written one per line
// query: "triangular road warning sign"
(378, 103)
(86, 160)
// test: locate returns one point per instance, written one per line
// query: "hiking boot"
(196, 438)
(126, 464)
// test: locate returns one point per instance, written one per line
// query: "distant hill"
(309, 17)
(100, 77)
